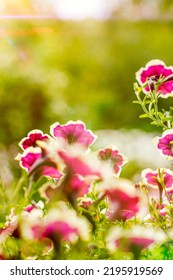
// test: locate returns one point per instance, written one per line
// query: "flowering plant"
(71, 201)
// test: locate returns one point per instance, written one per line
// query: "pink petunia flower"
(165, 144)
(157, 73)
(78, 185)
(114, 157)
(161, 178)
(60, 223)
(123, 199)
(85, 202)
(133, 240)
(28, 158)
(79, 173)
(32, 138)
(73, 132)
(77, 164)
(122, 205)
(10, 228)
(33, 206)
(59, 228)
(32, 160)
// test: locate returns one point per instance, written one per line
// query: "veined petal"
(32, 138)
(29, 157)
(73, 132)
(165, 144)
(114, 157)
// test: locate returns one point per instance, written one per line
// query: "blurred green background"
(61, 70)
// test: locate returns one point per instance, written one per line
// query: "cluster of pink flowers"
(78, 187)
(72, 170)
(157, 78)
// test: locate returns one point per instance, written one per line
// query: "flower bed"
(71, 201)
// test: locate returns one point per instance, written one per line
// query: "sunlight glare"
(78, 9)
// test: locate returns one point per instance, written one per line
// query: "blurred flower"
(60, 223)
(80, 171)
(85, 202)
(38, 207)
(161, 178)
(48, 191)
(114, 157)
(33, 161)
(73, 132)
(156, 73)
(123, 200)
(60, 228)
(165, 143)
(28, 158)
(78, 185)
(80, 164)
(10, 226)
(32, 138)
(135, 239)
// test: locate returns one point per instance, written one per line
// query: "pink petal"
(32, 138)
(28, 160)
(60, 228)
(166, 89)
(78, 185)
(141, 241)
(73, 132)
(51, 172)
(77, 165)
(113, 157)
(127, 205)
(152, 178)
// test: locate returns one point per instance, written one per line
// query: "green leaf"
(160, 114)
(147, 102)
(154, 123)
(143, 116)
(136, 102)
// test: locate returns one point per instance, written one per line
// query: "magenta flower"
(60, 223)
(28, 158)
(114, 157)
(156, 71)
(165, 143)
(77, 165)
(34, 206)
(32, 138)
(11, 226)
(160, 178)
(79, 174)
(122, 205)
(57, 228)
(123, 199)
(85, 202)
(133, 239)
(78, 185)
(141, 242)
(73, 132)
(8, 230)
(32, 160)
